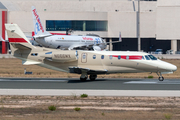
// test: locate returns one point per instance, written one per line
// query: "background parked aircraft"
(70, 42)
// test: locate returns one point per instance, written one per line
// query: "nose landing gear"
(161, 78)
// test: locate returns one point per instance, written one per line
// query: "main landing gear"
(85, 76)
(161, 78)
(92, 77)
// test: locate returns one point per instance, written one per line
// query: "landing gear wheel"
(92, 77)
(83, 79)
(161, 78)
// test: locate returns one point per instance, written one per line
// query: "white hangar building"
(159, 20)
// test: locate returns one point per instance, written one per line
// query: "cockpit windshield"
(147, 58)
(152, 57)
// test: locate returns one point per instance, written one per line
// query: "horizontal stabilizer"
(30, 62)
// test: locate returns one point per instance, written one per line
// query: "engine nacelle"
(62, 56)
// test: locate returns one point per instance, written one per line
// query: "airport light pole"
(139, 38)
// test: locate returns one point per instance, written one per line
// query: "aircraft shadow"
(78, 81)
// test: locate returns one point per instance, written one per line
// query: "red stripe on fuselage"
(135, 57)
(20, 40)
(131, 57)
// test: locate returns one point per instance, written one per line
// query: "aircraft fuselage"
(70, 42)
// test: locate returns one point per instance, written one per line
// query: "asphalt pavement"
(99, 84)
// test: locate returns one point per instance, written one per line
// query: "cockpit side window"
(143, 58)
(152, 57)
(147, 58)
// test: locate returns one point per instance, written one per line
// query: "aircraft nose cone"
(170, 67)
(167, 66)
(173, 67)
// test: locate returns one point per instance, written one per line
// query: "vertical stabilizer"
(38, 28)
(17, 37)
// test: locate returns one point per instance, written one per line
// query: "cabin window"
(119, 57)
(94, 56)
(127, 57)
(147, 58)
(110, 57)
(102, 56)
(34, 54)
(152, 57)
(84, 56)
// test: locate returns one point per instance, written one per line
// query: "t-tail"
(19, 44)
(38, 28)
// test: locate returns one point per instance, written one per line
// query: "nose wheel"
(161, 78)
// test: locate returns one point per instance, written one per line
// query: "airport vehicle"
(158, 51)
(169, 52)
(83, 62)
(70, 42)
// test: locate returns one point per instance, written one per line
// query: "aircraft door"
(84, 57)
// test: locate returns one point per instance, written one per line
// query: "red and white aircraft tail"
(38, 28)
(17, 37)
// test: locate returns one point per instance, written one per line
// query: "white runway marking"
(140, 82)
(35, 80)
(72, 92)
(153, 82)
(54, 80)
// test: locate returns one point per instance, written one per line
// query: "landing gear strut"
(161, 78)
(92, 77)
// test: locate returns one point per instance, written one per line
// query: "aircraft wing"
(79, 70)
(96, 48)
(79, 46)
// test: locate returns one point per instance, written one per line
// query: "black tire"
(92, 77)
(161, 78)
(83, 79)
